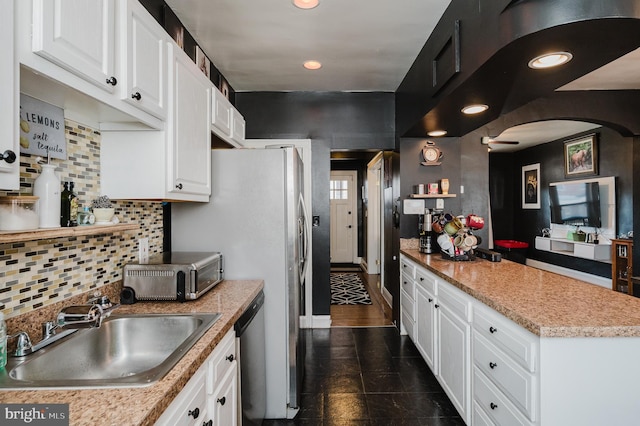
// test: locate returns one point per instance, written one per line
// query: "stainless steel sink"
(126, 351)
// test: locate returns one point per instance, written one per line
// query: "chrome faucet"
(69, 320)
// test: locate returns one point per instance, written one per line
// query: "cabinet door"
(190, 406)
(426, 327)
(77, 35)
(223, 404)
(237, 128)
(221, 117)
(145, 66)
(454, 358)
(190, 129)
(9, 172)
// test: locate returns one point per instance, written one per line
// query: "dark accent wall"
(513, 222)
(333, 121)
(496, 40)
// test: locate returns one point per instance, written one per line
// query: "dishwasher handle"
(248, 315)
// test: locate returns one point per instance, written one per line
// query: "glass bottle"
(73, 206)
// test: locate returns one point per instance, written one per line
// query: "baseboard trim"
(315, 321)
(572, 273)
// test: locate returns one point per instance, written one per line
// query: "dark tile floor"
(368, 376)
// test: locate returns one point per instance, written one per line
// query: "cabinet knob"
(436, 305)
(492, 330)
(421, 279)
(195, 413)
(493, 406)
(112, 81)
(8, 156)
(230, 358)
(137, 96)
(222, 400)
(179, 186)
(430, 300)
(209, 423)
(492, 365)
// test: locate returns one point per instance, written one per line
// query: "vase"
(47, 187)
(103, 215)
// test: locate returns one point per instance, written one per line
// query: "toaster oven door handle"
(180, 288)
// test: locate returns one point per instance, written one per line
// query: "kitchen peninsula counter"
(545, 303)
(144, 405)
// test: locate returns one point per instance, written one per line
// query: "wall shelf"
(76, 231)
(599, 252)
(432, 196)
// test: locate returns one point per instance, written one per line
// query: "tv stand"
(598, 252)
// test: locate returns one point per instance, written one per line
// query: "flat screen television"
(575, 203)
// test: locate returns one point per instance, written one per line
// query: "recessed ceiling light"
(312, 65)
(549, 60)
(475, 109)
(306, 4)
(436, 133)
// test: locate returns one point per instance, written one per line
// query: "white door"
(342, 196)
(78, 35)
(374, 223)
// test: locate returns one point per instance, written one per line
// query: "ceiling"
(364, 46)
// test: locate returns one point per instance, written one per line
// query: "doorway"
(357, 228)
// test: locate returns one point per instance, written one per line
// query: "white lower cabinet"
(426, 325)
(454, 346)
(210, 397)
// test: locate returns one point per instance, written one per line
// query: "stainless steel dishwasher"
(253, 388)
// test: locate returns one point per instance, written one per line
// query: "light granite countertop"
(144, 405)
(545, 303)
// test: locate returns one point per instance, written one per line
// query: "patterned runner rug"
(348, 289)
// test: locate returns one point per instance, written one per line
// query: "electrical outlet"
(143, 250)
(439, 203)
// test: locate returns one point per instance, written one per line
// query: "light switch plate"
(143, 250)
(413, 206)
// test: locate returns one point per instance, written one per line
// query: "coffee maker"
(425, 232)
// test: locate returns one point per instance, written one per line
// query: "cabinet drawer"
(516, 383)
(515, 341)
(494, 403)
(221, 360)
(426, 280)
(455, 300)
(406, 267)
(480, 418)
(407, 284)
(190, 406)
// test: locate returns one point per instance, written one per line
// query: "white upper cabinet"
(78, 35)
(144, 50)
(221, 117)
(226, 122)
(9, 171)
(190, 128)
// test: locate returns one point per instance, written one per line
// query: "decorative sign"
(41, 128)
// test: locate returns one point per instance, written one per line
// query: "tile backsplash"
(36, 273)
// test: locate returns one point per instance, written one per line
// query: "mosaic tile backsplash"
(36, 273)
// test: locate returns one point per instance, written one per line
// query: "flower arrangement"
(102, 202)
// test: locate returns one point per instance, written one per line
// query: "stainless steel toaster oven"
(178, 276)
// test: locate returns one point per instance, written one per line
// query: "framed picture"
(531, 186)
(224, 87)
(581, 156)
(173, 26)
(203, 62)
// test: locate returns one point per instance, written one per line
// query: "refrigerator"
(256, 217)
